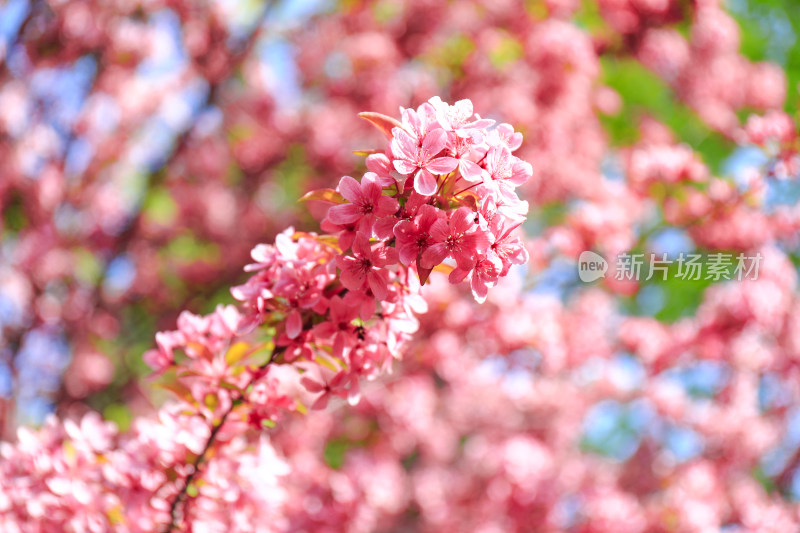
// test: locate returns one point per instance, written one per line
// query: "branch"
(181, 496)
(197, 463)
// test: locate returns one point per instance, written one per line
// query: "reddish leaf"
(324, 195)
(382, 122)
(365, 153)
(423, 273)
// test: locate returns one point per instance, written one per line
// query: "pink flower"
(381, 165)
(483, 275)
(507, 247)
(159, 359)
(302, 288)
(458, 118)
(346, 232)
(267, 401)
(367, 203)
(294, 323)
(458, 238)
(505, 135)
(363, 302)
(414, 236)
(465, 151)
(421, 160)
(366, 267)
(339, 325)
(419, 122)
(328, 382)
(506, 170)
(498, 204)
(412, 205)
(297, 347)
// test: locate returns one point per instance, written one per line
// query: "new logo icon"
(591, 266)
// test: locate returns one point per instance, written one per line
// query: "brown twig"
(181, 496)
(173, 509)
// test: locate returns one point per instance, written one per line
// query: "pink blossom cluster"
(89, 477)
(78, 185)
(456, 181)
(321, 312)
(712, 47)
(495, 440)
(449, 442)
(669, 178)
(443, 189)
(215, 183)
(776, 132)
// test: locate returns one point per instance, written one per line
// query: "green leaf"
(160, 207)
(506, 52)
(169, 381)
(643, 93)
(237, 353)
(120, 414)
(211, 401)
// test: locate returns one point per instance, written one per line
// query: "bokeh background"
(147, 146)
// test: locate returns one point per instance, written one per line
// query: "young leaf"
(423, 273)
(324, 195)
(237, 352)
(169, 381)
(382, 122)
(365, 153)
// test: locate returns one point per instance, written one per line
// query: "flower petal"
(434, 142)
(344, 214)
(470, 171)
(408, 252)
(379, 164)
(386, 206)
(439, 230)
(404, 146)
(404, 166)
(462, 220)
(457, 275)
(479, 289)
(383, 227)
(442, 165)
(478, 240)
(425, 183)
(433, 256)
(378, 283)
(294, 324)
(383, 256)
(350, 189)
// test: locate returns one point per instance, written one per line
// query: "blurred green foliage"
(769, 32)
(644, 94)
